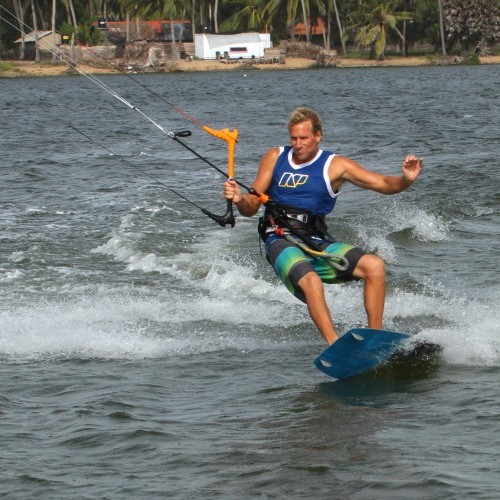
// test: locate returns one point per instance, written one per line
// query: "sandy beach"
(30, 68)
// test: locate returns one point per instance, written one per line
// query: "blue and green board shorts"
(291, 263)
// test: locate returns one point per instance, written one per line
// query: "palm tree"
(71, 13)
(19, 11)
(320, 8)
(306, 15)
(250, 14)
(53, 28)
(291, 15)
(159, 9)
(35, 29)
(339, 25)
(441, 27)
(274, 13)
(380, 19)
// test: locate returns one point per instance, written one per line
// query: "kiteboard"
(358, 351)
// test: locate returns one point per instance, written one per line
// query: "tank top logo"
(291, 180)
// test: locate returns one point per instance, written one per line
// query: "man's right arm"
(249, 204)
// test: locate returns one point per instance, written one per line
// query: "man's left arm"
(349, 170)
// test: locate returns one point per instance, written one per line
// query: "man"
(303, 183)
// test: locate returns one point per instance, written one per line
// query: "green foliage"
(472, 21)
(376, 25)
(66, 29)
(247, 16)
(373, 24)
(88, 35)
(5, 67)
(471, 58)
(424, 25)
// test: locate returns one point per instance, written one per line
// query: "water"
(146, 352)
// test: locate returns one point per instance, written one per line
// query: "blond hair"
(300, 115)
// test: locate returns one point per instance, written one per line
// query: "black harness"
(299, 222)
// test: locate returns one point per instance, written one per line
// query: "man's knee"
(310, 281)
(370, 267)
(377, 267)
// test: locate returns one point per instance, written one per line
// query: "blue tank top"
(306, 186)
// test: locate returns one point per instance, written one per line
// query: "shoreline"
(32, 69)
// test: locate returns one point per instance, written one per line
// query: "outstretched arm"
(345, 169)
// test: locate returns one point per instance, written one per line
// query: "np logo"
(291, 180)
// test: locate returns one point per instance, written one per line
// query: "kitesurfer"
(303, 183)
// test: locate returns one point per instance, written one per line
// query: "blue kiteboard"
(358, 351)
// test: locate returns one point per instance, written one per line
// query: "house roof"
(216, 40)
(32, 37)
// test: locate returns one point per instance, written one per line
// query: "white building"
(239, 46)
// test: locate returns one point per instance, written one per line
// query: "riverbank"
(30, 68)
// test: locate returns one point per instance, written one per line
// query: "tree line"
(445, 25)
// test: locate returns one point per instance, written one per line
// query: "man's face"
(304, 142)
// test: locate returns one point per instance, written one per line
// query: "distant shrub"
(471, 58)
(4, 66)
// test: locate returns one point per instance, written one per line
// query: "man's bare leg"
(371, 269)
(312, 286)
